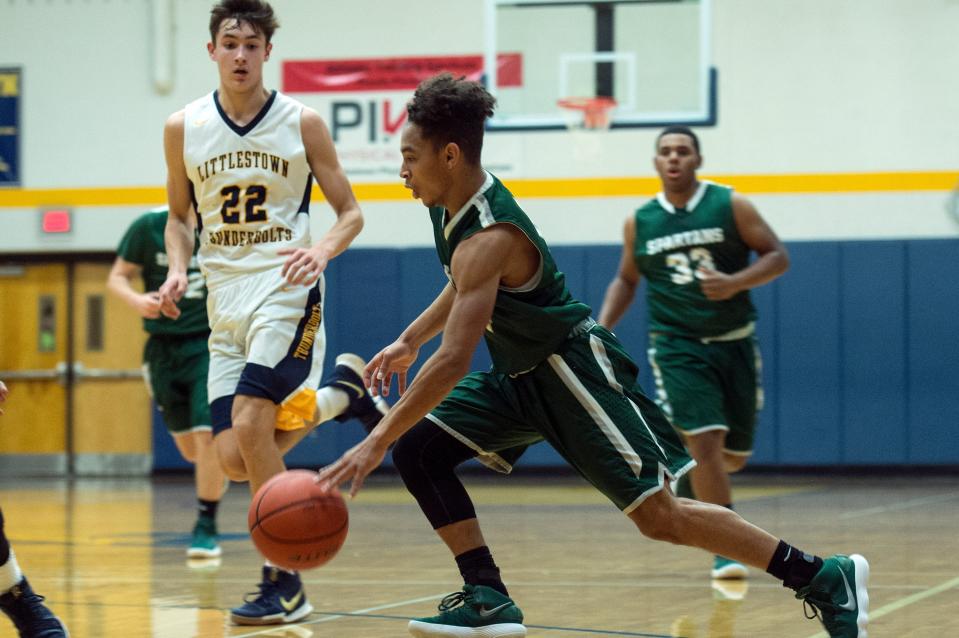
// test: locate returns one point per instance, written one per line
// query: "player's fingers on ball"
(356, 483)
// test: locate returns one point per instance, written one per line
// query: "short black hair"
(256, 13)
(679, 130)
(449, 109)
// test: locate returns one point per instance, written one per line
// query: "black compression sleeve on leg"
(426, 458)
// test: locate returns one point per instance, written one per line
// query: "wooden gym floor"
(109, 557)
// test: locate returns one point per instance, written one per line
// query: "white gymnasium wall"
(816, 87)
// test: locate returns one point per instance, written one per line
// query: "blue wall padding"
(860, 345)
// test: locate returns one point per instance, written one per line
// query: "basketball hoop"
(588, 113)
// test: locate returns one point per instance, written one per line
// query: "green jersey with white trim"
(529, 322)
(671, 244)
(143, 245)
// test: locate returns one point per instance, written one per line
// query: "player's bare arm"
(479, 265)
(305, 265)
(179, 233)
(772, 261)
(622, 289)
(120, 282)
(3, 394)
(397, 357)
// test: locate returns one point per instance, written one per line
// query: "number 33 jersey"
(251, 186)
(672, 245)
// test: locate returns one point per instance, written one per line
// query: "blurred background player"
(692, 242)
(245, 158)
(175, 362)
(17, 599)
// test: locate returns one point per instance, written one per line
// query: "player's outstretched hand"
(3, 394)
(171, 292)
(395, 358)
(304, 265)
(354, 466)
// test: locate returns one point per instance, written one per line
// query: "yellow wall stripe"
(787, 184)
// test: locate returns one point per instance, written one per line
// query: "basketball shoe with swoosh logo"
(281, 599)
(475, 612)
(27, 611)
(838, 596)
(347, 376)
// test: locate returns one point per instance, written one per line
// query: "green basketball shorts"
(584, 401)
(175, 367)
(709, 386)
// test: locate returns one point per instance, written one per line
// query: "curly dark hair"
(449, 109)
(256, 13)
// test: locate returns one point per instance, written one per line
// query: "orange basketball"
(295, 523)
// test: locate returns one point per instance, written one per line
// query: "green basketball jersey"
(672, 243)
(530, 322)
(143, 245)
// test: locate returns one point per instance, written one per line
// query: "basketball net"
(587, 113)
(586, 116)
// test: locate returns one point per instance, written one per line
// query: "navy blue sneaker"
(281, 599)
(347, 376)
(32, 618)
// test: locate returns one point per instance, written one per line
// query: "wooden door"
(33, 364)
(111, 405)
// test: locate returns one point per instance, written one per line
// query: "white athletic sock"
(330, 403)
(10, 573)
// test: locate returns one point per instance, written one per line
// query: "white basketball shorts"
(267, 340)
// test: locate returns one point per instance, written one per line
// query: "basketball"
(295, 523)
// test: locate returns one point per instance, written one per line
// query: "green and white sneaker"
(838, 596)
(728, 569)
(204, 544)
(476, 612)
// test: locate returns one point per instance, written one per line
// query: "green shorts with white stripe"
(709, 386)
(583, 400)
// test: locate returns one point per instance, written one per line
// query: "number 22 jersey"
(250, 185)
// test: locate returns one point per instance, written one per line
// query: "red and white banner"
(363, 101)
(391, 74)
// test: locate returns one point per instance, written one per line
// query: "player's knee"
(734, 462)
(659, 529)
(706, 447)
(425, 454)
(249, 434)
(233, 467)
(229, 457)
(235, 474)
(408, 458)
(659, 518)
(186, 447)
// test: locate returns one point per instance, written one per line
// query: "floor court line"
(882, 509)
(331, 616)
(576, 630)
(896, 605)
(365, 613)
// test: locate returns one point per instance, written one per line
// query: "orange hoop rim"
(592, 104)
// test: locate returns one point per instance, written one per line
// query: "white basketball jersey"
(251, 186)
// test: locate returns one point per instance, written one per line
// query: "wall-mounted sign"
(11, 87)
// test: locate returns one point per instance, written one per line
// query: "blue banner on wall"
(10, 89)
